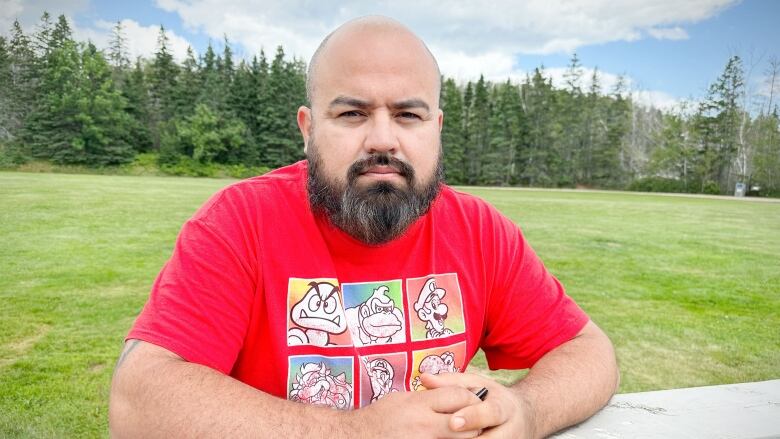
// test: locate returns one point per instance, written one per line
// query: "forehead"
(375, 64)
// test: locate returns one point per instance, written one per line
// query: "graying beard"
(375, 215)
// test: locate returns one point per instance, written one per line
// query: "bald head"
(370, 38)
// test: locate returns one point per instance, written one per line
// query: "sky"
(668, 51)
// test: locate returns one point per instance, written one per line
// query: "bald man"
(245, 332)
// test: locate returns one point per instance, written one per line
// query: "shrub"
(657, 184)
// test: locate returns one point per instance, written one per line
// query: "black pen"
(482, 393)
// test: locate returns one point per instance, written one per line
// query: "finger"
(450, 399)
(465, 380)
(437, 425)
(486, 414)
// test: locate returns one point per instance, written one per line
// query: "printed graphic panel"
(435, 306)
(435, 361)
(319, 380)
(315, 314)
(381, 375)
(374, 312)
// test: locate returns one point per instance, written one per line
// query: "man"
(244, 333)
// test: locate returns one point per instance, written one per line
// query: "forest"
(68, 102)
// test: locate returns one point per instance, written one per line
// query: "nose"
(381, 136)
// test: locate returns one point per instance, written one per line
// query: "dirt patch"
(18, 348)
(96, 367)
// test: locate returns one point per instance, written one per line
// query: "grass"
(688, 288)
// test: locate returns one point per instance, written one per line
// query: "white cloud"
(471, 28)
(29, 12)
(468, 38)
(668, 33)
(10, 11)
(660, 100)
(140, 40)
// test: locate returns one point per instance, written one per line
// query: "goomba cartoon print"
(373, 313)
(437, 305)
(317, 316)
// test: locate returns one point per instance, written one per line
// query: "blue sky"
(668, 49)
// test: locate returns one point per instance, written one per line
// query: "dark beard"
(375, 214)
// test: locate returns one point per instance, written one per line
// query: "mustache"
(383, 159)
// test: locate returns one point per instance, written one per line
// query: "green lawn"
(688, 288)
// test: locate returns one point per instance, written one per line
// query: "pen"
(482, 393)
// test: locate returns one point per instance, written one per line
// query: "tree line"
(72, 103)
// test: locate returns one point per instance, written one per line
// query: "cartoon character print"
(377, 320)
(315, 384)
(435, 364)
(317, 314)
(380, 373)
(431, 310)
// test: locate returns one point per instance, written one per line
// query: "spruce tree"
(136, 93)
(452, 136)
(163, 73)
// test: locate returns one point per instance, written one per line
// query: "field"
(687, 288)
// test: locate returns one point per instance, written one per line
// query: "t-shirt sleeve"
(200, 304)
(528, 311)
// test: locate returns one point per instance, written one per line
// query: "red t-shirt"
(263, 290)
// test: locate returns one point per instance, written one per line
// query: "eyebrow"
(359, 103)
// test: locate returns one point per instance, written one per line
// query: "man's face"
(372, 133)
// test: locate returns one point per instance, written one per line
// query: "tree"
(136, 93)
(538, 157)
(188, 85)
(285, 91)
(163, 73)
(506, 129)
(479, 116)
(717, 123)
(452, 137)
(117, 49)
(205, 136)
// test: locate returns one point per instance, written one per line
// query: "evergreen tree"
(117, 49)
(163, 73)
(499, 159)
(478, 129)
(538, 158)
(188, 85)
(610, 171)
(136, 93)
(211, 86)
(452, 136)
(22, 82)
(285, 91)
(717, 123)
(41, 39)
(105, 124)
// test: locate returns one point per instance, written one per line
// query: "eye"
(409, 115)
(330, 305)
(352, 114)
(314, 303)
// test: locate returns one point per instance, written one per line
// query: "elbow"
(120, 409)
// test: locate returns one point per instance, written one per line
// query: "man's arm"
(155, 393)
(566, 386)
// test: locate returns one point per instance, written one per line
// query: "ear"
(304, 124)
(440, 119)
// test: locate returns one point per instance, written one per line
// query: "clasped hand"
(450, 409)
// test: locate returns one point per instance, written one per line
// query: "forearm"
(570, 383)
(155, 396)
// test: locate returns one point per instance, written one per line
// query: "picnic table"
(732, 411)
